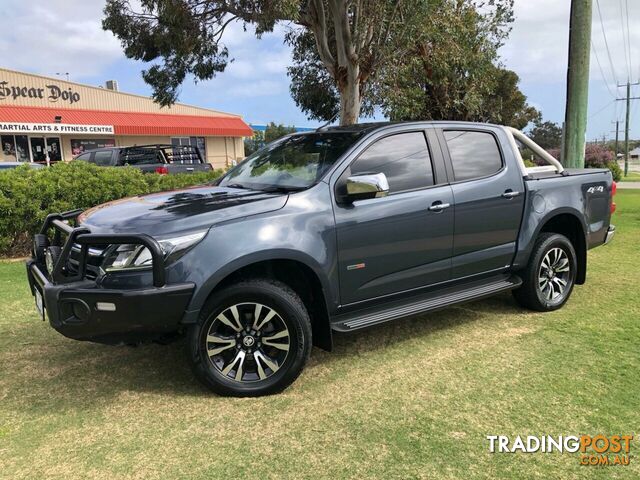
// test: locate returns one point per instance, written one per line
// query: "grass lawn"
(411, 399)
(631, 177)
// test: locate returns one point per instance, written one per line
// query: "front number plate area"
(39, 303)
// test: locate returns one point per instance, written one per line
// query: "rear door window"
(103, 158)
(141, 156)
(85, 157)
(473, 154)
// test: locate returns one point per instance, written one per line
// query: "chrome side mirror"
(369, 185)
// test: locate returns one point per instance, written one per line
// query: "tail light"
(162, 170)
(614, 189)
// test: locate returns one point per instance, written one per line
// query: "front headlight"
(134, 257)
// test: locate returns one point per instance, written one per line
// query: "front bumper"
(83, 309)
(610, 234)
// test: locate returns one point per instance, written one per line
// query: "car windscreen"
(294, 162)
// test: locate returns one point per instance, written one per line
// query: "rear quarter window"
(473, 154)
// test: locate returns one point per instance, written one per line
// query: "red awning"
(132, 123)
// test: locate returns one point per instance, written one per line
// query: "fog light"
(106, 306)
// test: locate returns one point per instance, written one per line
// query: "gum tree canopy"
(352, 38)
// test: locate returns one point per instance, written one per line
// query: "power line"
(626, 6)
(624, 42)
(606, 83)
(596, 113)
(606, 44)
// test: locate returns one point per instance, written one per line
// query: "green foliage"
(451, 73)
(446, 69)
(27, 195)
(252, 144)
(183, 37)
(260, 138)
(597, 156)
(312, 87)
(274, 132)
(616, 171)
(546, 134)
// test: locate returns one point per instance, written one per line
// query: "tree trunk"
(350, 100)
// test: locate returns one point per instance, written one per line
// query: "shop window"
(79, 146)
(8, 148)
(22, 148)
(54, 150)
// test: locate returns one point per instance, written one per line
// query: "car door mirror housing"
(365, 186)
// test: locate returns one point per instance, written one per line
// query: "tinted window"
(141, 156)
(473, 154)
(85, 157)
(103, 158)
(403, 158)
(294, 162)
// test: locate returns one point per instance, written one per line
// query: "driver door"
(404, 240)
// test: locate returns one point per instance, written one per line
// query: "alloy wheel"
(554, 274)
(248, 342)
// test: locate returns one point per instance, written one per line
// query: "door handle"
(510, 194)
(438, 206)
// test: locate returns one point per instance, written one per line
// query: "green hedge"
(27, 195)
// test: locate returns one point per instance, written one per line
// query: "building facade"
(47, 119)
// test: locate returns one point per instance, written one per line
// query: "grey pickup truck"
(162, 159)
(321, 232)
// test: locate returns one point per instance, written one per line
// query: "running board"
(427, 302)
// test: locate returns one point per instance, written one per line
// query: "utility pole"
(575, 116)
(628, 99)
(617, 122)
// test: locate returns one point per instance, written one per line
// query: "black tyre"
(550, 276)
(40, 244)
(253, 339)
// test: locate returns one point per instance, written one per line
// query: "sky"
(52, 37)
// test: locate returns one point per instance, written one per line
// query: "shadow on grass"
(50, 373)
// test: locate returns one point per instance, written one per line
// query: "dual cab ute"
(333, 230)
(162, 159)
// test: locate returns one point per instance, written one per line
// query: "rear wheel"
(549, 279)
(253, 339)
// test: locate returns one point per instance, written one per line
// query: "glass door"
(53, 149)
(42, 147)
(38, 149)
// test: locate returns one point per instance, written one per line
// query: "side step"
(426, 302)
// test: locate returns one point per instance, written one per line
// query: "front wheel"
(550, 276)
(253, 339)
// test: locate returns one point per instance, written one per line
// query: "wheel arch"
(568, 223)
(301, 274)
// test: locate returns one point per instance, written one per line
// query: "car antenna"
(331, 120)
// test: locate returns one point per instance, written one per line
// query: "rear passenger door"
(404, 240)
(489, 200)
(103, 158)
(147, 159)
